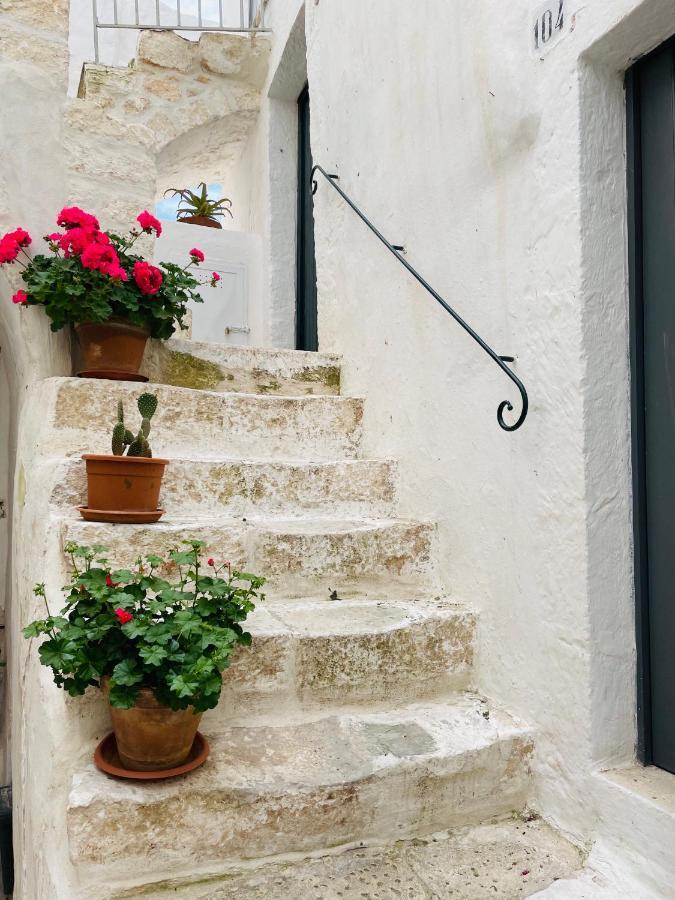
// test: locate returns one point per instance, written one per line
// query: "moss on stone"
(269, 387)
(328, 375)
(185, 370)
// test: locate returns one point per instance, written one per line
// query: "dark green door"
(306, 332)
(651, 108)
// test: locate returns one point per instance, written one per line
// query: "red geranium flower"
(74, 217)
(21, 236)
(210, 562)
(101, 258)
(20, 297)
(9, 250)
(215, 278)
(197, 255)
(149, 223)
(123, 616)
(76, 240)
(118, 272)
(109, 582)
(148, 278)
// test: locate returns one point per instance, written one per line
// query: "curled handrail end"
(506, 405)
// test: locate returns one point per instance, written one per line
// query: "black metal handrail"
(397, 251)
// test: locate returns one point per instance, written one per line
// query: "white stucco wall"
(502, 171)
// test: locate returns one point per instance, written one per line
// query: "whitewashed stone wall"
(502, 171)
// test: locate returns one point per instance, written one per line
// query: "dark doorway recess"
(306, 331)
(651, 188)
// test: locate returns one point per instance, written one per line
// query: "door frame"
(301, 286)
(636, 337)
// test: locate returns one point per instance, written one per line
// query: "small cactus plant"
(123, 439)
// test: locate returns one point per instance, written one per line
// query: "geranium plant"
(168, 625)
(93, 275)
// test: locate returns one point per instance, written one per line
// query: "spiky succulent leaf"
(120, 411)
(147, 405)
(140, 446)
(118, 441)
(128, 436)
(145, 427)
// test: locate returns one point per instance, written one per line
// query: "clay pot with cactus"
(125, 487)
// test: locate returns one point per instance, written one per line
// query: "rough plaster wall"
(266, 180)
(33, 68)
(503, 174)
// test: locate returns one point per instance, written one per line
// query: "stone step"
(82, 412)
(249, 370)
(302, 787)
(359, 558)
(316, 655)
(347, 488)
(473, 863)
(312, 653)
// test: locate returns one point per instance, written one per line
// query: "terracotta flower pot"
(206, 221)
(152, 737)
(112, 349)
(124, 485)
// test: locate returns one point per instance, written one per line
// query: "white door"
(224, 317)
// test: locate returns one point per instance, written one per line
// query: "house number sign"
(548, 26)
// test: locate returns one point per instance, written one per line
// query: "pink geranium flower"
(149, 223)
(20, 297)
(197, 255)
(148, 278)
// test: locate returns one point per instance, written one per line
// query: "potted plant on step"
(157, 640)
(197, 209)
(125, 488)
(95, 281)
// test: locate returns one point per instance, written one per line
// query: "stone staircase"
(351, 721)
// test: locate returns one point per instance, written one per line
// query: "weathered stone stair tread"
(349, 556)
(219, 367)
(332, 652)
(299, 788)
(219, 424)
(244, 487)
(469, 864)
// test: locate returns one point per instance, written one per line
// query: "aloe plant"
(192, 204)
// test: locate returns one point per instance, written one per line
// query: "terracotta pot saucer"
(107, 760)
(118, 517)
(112, 375)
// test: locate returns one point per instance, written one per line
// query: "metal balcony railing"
(244, 16)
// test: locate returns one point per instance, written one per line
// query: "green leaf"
(127, 673)
(123, 696)
(136, 628)
(153, 654)
(182, 687)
